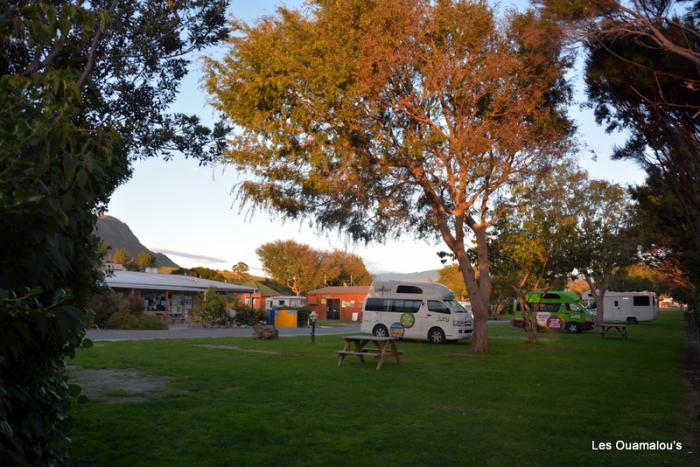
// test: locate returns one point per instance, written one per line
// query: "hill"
(421, 276)
(116, 234)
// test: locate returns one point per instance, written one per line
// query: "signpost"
(312, 318)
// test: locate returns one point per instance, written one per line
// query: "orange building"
(338, 302)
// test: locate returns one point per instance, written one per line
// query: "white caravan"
(414, 310)
(631, 307)
(284, 301)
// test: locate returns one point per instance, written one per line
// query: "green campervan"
(555, 310)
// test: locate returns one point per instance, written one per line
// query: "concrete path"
(177, 332)
(184, 332)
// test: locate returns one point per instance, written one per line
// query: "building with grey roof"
(169, 296)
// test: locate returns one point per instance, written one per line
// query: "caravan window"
(438, 307)
(641, 300)
(409, 289)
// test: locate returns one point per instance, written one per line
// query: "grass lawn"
(522, 404)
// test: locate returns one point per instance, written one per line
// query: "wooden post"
(166, 313)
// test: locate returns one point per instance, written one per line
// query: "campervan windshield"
(454, 306)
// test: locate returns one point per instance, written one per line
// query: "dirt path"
(118, 385)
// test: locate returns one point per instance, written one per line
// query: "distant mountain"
(117, 234)
(423, 276)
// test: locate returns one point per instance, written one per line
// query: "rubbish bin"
(286, 319)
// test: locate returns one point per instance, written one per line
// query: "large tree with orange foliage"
(390, 117)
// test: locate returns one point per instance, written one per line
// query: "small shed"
(341, 303)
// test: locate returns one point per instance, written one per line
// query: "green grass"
(520, 405)
(117, 392)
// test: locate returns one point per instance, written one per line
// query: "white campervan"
(421, 311)
(631, 307)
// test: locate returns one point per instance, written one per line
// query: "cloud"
(195, 257)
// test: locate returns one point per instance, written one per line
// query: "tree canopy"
(84, 88)
(392, 117)
(531, 245)
(606, 237)
(144, 259)
(451, 277)
(642, 75)
(120, 256)
(303, 268)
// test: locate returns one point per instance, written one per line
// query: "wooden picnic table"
(356, 345)
(619, 328)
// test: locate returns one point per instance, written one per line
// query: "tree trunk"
(480, 340)
(600, 309)
(483, 260)
(531, 324)
(530, 321)
(598, 290)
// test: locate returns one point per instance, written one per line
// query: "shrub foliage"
(75, 109)
(248, 316)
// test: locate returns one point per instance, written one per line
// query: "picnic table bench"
(619, 328)
(359, 350)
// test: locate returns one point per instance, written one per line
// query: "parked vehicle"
(557, 310)
(632, 307)
(284, 301)
(422, 311)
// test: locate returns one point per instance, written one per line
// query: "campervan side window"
(641, 300)
(405, 306)
(376, 304)
(409, 289)
(546, 307)
(438, 307)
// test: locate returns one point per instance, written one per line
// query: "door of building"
(333, 308)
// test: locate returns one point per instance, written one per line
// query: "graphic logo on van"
(407, 320)
(554, 322)
(396, 330)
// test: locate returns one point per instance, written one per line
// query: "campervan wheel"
(436, 336)
(380, 331)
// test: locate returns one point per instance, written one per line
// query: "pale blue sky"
(178, 206)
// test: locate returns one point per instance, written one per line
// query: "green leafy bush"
(248, 316)
(103, 305)
(64, 149)
(125, 320)
(303, 317)
(133, 304)
(212, 310)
